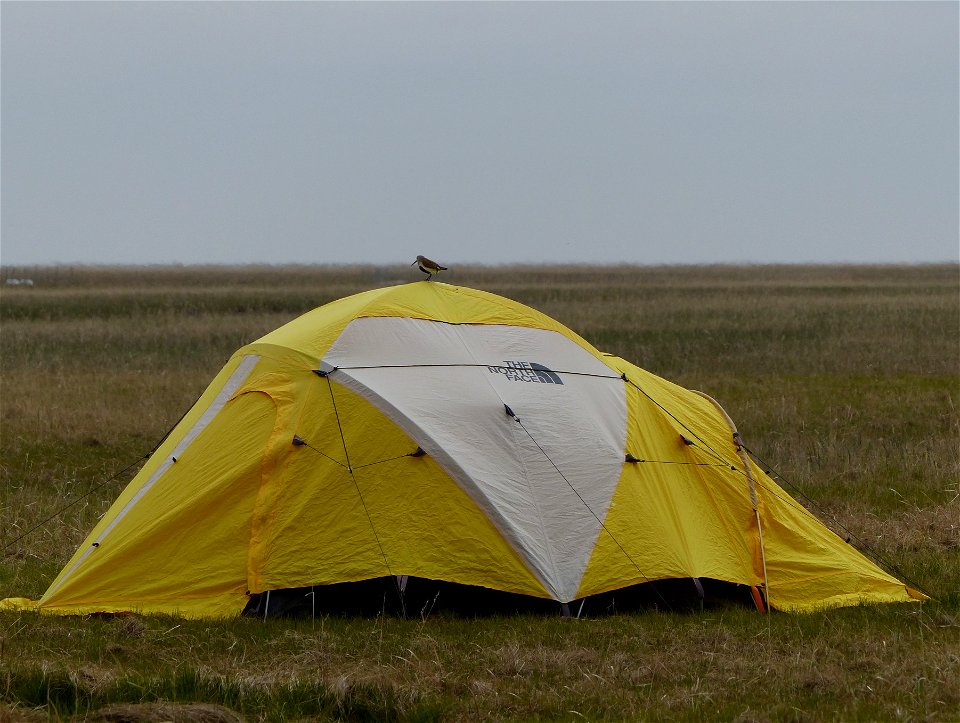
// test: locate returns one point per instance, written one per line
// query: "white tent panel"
(558, 458)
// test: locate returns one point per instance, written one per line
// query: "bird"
(428, 267)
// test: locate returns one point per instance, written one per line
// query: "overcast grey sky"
(652, 133)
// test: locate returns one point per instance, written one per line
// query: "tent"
(435, 432)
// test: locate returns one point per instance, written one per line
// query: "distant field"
(844, 379)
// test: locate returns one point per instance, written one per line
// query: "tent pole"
(763, 559)
(266, 606)
(748, 470)
(400, 584)
(700, 594)
(363, 503)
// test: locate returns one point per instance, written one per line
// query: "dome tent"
(437, 432)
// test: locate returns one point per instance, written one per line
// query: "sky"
(495, 133)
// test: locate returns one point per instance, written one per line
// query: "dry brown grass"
(845, 379)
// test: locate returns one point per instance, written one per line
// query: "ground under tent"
(420, 598)
(428, 432)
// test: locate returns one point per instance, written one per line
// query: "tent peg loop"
(324, 369)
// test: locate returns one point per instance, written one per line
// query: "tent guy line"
(634, 460)
(490, 513)
(478, 365)
(674, 417)
(363, 502)
(366, 511)
(74, 501)
(299, 441)
(707, 448)
(104, 483)
(584, 502)
(738, 440)
(768, 470)
(862, 544)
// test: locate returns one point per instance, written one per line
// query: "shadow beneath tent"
(415, 597)
(680, 595)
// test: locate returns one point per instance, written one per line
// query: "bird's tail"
(442, 268)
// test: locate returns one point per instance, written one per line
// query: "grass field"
(846, 380)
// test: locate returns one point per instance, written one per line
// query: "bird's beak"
(413, 263)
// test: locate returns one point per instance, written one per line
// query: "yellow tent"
(449, 434)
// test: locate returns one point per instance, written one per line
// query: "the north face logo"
(521, 371)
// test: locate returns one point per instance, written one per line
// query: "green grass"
(654, 666)
(844, 380)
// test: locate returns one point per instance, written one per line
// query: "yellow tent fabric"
(704, 524)
(441, 432)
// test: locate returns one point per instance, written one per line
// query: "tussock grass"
(844, 380)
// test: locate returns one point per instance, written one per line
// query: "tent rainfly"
(436, 432)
